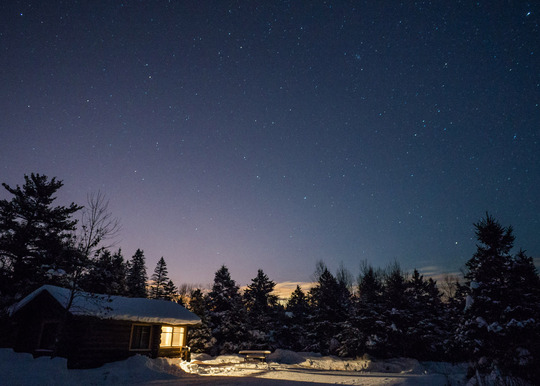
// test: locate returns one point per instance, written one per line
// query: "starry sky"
(274, 134)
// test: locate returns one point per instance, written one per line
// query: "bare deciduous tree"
(344, 277)
(448, 286)
(97, 225)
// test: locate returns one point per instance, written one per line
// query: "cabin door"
(48, 336)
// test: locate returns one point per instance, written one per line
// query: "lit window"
(166, 336)
(172, 336)
(140, 337)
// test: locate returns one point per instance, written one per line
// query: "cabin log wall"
(96, 341)
(29, 323)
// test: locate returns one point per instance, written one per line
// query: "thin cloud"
(438, 273)
(284, 289)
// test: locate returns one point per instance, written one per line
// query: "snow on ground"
(284, 368)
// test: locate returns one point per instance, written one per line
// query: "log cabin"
(91, 330)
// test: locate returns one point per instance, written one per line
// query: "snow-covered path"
(285, 368)
(288, 377)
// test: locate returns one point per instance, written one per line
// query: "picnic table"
(255, 354)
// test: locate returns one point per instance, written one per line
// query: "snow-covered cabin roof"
(116, 307)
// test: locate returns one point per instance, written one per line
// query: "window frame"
(180, 331)
(134, 326)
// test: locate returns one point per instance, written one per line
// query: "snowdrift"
(286, 366)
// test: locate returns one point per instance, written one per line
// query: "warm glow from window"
(172, 336)
(166, 336)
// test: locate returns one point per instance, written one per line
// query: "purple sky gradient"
(273, 135)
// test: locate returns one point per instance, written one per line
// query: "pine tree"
(370, 285)
(200, 337)
(454, 317)
(159, 281)
(297, 311)
(98, 274)
(118, 284)
(500, 328)
(170, 291)
(136, 276)
(258, 296)
(261, 306)
(426, 331)
(36, 239)
(394, 288)
(106, 275)
(329, 302)
(364, 327)
(227, 315)
(396, 315)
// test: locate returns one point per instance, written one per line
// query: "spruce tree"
(261, 306)
(98, 274)
(297, 312)
(329, 302)
(523, 312)
(107, 274)
(364, 327)
(227, 315)
(200, 336)
(118, 285)
(258, 296)
(426, 331)
(454, 315)
(170, 291)
(500, 328)
(396, 315)
(136, 276)
(36, 239)
(159, 280)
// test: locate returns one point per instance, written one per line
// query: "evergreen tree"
(454, 317)
(364, 327)
(159, 280)
(136, 275)
(36, 239)
(106, 274)
(396, 315)
(118, 285)
(261, 306)
(258, 296)
(329, 302)
(200, 337)
(500, 328)
(170, 291)
(426, 331)
(370, 285)
(297, 311)
(227, 315)
(523, 313)
(394, 288)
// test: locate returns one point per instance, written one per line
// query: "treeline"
(491, 320)
(386, 314)
(42, 244)
(109, 273)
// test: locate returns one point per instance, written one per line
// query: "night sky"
(271, 135)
